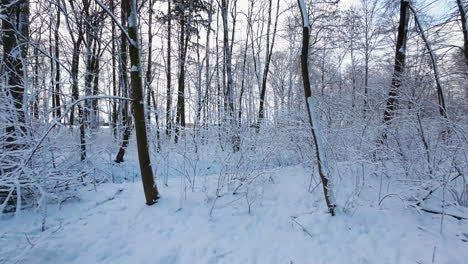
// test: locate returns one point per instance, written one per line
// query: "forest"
(261, 131)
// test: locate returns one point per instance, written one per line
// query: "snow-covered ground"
(286, 224)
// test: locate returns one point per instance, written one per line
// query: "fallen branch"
(110, 198)
(303, 228)
(435, 189)
(431, 211)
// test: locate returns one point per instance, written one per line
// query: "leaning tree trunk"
(400, 56)
(310, 101)
(149, 186)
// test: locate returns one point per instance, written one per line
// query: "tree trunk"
(115, 114)
(229, 95)
(149, 77)
(435, 68)
(168, 73)
(464, 23)
(15, 27)
(400, 56)
(207, 65)
(310, 109)
(269, 53)
(149, 186)
(180, 112)
(56, 95)
(126, 120)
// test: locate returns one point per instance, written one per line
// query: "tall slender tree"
(400, 57)
(310, 103)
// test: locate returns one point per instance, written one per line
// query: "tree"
(76, 31)
(370, 42)
(15, 27)
(130, 32)
(123, 82)
(400, 56)
(229, 92)
(268, 54)
(149, 186)
(168, 72)
(56, 94)
(464, 25)
(435, 67)
(189, 16)
(310, 103)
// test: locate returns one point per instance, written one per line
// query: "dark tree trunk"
(149, 186)
(15, 27)
(229, 94)
(464, 23)
(308, 96)
(400, 56)
(76, 95)
(269, 52)
(180, 114)
(149, 77)
(115, 114)
(56, 94)
(126, 120)
(440, 93)
(168, 73)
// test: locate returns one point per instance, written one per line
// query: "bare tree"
(464, 25)
(435, 67)
(268, 54)
(400, 56)
(310, 102)
(15, 27)
(168, 72)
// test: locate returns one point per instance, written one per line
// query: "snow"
(305, 14)
(288, 224)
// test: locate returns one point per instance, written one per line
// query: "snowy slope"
(287, 224)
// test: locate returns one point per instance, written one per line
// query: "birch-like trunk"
(311, 103)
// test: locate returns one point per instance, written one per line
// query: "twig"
(303, 228)
(458, 217)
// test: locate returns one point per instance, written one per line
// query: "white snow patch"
(114, 225)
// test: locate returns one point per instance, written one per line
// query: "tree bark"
(229, 94)
(168, 73)
(269, 53)
(115, 114)
(56, 96)
(183, 46)
(15, 27)
(310, 108)
(149, 186)
(400, 56)
(464, 23)
(126, 120)
(435, 68)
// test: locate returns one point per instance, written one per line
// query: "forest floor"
(286, 224)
